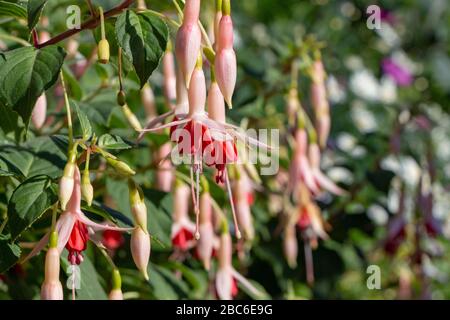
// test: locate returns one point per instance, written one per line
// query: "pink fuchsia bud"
(66, 183)
(72, 48)
(148, 100)
(225, 62)
(182, 233)
(320, 102)
(197, 90)
(216, 104)
(242, 188)
(140, 250)
(290, 246)
(205, 244)
(52, 288)
(116, 292)
(182, 106)
(217, 18)
(164, 174)
(170, 78)
(39, 112)
(137, 203)
(188, 41)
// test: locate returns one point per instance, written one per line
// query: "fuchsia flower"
(322, 181)
(300, 170)
(148, 100)
(320, 102)
(73, 227)
(400, 74)
(164, 174)
(188, 41)
(226, 276)
(290, 245)
(183, 228)
(51, 288)
(225, 62)
(396, 233)
(112, 239)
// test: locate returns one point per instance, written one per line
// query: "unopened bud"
(103, 51)
(116, 292)
(131, 118)
(121, 98)
(86, 188)
(137, 203)
(39, 112)
(121, 167)
(52, 288)
(66, 184)
(290, 246)
(140, 250)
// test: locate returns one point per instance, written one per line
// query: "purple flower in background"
(387, 16)
(400, 74)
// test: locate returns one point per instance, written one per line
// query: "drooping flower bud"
(242, 188)
(137, 203)
(188, 41)
(131, 118)
(103, 51)
(320, 102)
(164, 175)
(226, 284)
(225, 63)
(121, 167)
(170, 78)
(51, 288)
(182, 233)
(67, 181)
(217, 18)
(39, 112)
(140, 250)
(86, 188)
(205, 244)
(197, 90)
(290, 245)
(216, 104)
(116, 292)
(121, 98)
(148, 101)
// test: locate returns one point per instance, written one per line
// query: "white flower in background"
(346, 142)
(363, 118)
(364, 84)
(388, 90)
(378, 214)
(339, 174)
(403, 166)
(389, 35)
(354, 63)
(336, 92)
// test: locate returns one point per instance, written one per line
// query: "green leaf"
(90, 287)
(28, 202)
(12, 10)
(143, 38)
(10, 122)
(34, 10)
(26, 72)
(109, 214)
(9, 253)
(35, 157)
(86, 128)
(112, 142)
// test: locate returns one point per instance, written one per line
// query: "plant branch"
(90, 24)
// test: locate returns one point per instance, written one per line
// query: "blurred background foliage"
(385, 140)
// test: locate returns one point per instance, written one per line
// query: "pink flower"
(290, 245)
(39, 112)
(241, 190)
(170, 79)
(205, 245)
(400, 74)
(51, 288)
(140, 249)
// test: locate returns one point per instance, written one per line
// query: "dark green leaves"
(143, 38)
(12, 10)
(28, 202)
(34, 9)
(112, 142)
(26, 73)
(9, 253)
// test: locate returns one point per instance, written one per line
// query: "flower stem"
(68, 110)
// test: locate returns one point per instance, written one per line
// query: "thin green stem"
(102, 23)
(68, 111)
(54, 213)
